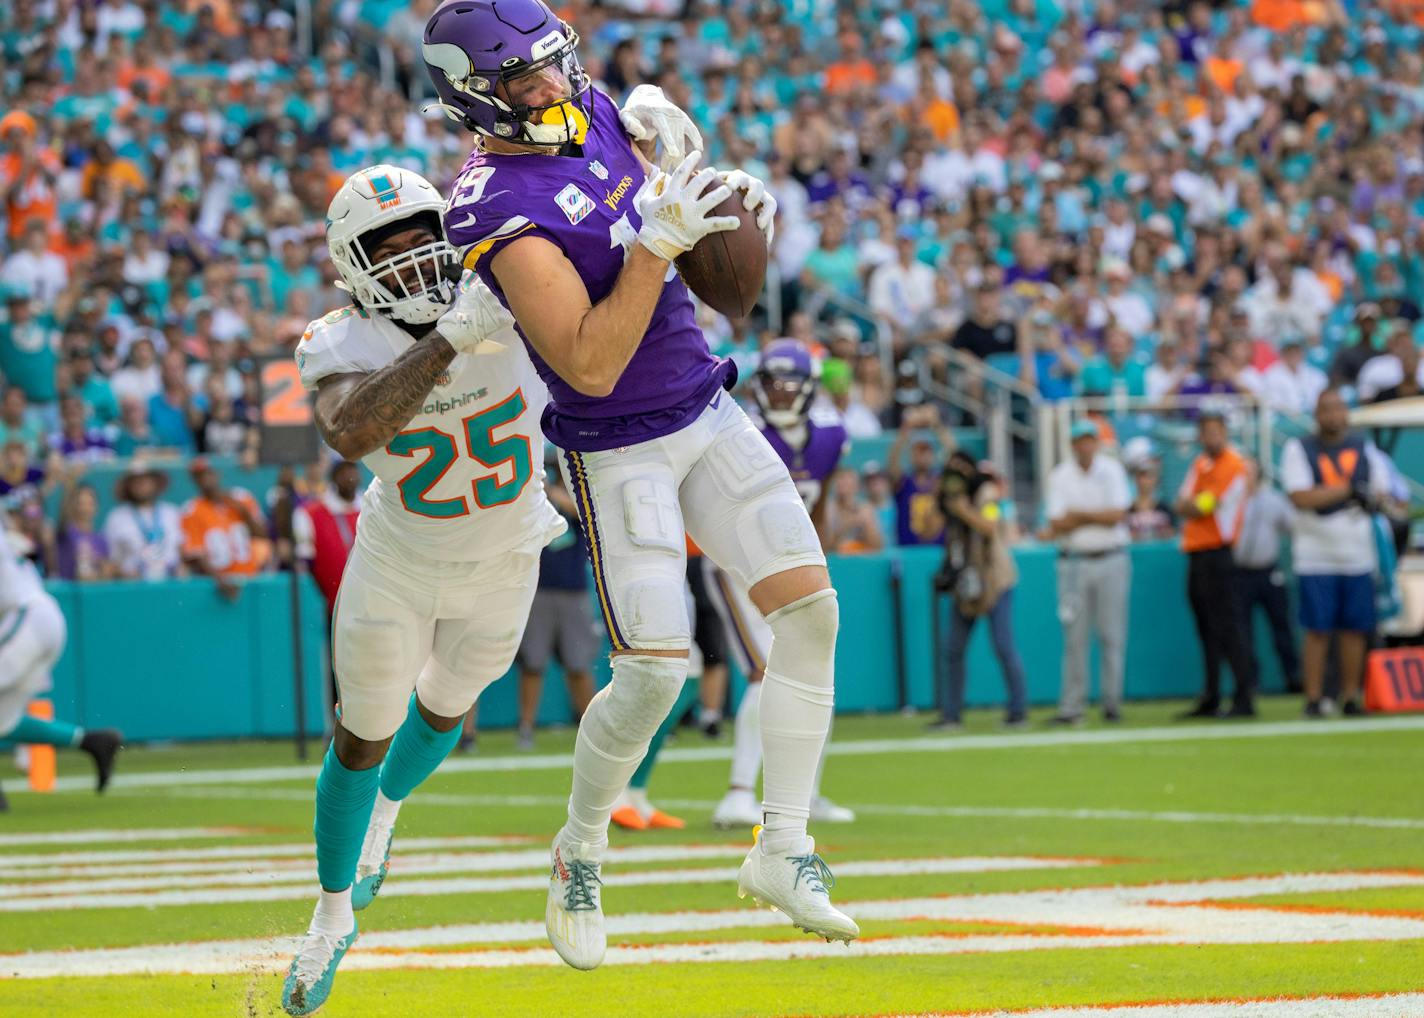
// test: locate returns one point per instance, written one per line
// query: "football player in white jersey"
(428, 385)
(32, 634)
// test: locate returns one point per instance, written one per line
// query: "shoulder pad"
(326, 347)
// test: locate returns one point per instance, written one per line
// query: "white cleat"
(796, 882)
(738, 808)
(573, 914)
(825, 811)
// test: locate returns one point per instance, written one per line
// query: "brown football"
(727, 269)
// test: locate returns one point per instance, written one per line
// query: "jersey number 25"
(481, 445)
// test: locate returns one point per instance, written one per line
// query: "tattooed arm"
(358, 413)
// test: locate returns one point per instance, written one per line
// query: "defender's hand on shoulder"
(676, 214)
(649, 115)
(475, 317)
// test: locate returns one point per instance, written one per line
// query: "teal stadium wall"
(173, 661)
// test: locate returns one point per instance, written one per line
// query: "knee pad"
(372, 663)
(634, 704)
(458, 672)
(652, 614)
(804, 638)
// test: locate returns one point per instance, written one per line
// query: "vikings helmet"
(785, 383)
(370, 206)
(471, 47)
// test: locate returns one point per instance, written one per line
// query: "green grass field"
(990, 871)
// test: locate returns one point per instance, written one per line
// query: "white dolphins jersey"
(464, 480)
(19, 583)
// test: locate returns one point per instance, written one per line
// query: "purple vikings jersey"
(814, 462)
(584, 204)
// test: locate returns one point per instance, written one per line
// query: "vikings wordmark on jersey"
(584, 204)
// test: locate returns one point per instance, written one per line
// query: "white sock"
(333, 913)
(638, 799)
(614, 735)
(385, 810)
(746, 739)
(797, 700)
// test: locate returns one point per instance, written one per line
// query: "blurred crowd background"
(1095, 198)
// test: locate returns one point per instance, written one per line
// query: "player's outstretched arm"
(359, 413)
(589, 345)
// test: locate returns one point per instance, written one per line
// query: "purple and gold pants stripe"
(588, 517)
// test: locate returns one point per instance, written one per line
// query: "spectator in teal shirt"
(29, 348)
(1114, 371)
(834, 262)
(293, 271)
(92, 387)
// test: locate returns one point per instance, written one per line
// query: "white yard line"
(495, 885)
(1393, 1005)
(137, 834)
(443, 799)
(256, 872)
(1098, 917)
(48, 861)
(923, 744)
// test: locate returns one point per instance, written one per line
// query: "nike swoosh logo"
(469, 221)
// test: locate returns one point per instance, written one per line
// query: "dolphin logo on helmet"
(471, 47)
(373, 204)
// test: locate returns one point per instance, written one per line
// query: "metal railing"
(815, 300)
(989, 395)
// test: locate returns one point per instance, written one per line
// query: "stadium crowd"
(1110, 198)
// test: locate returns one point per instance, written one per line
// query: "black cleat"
(4, 802)
(103, 744)
(1112, 715)
(1353, 708)
(1067, 721)
(1240, 710)
(1203, 709)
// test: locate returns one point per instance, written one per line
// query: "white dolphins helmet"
(371, 205)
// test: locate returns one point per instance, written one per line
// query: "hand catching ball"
(1206, 503)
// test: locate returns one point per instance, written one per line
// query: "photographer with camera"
(1337, 481)
(978, 572)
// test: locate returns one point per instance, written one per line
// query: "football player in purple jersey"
(575, 230)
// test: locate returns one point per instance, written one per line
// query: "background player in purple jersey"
(576, 232)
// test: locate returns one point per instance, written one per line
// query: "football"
(727, 269)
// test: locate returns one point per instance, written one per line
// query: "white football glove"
(674, 217)
(756, 198)
(475, 317)
(648, 115)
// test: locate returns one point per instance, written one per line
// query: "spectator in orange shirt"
(222, 531)
(1212, 501)
(141, 67)
(27, 174)
(852, 70)
(936, 112)
(121, 173)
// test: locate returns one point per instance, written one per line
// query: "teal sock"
(415, 752)
(343, 809)
(685, 699)
(38, 732)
